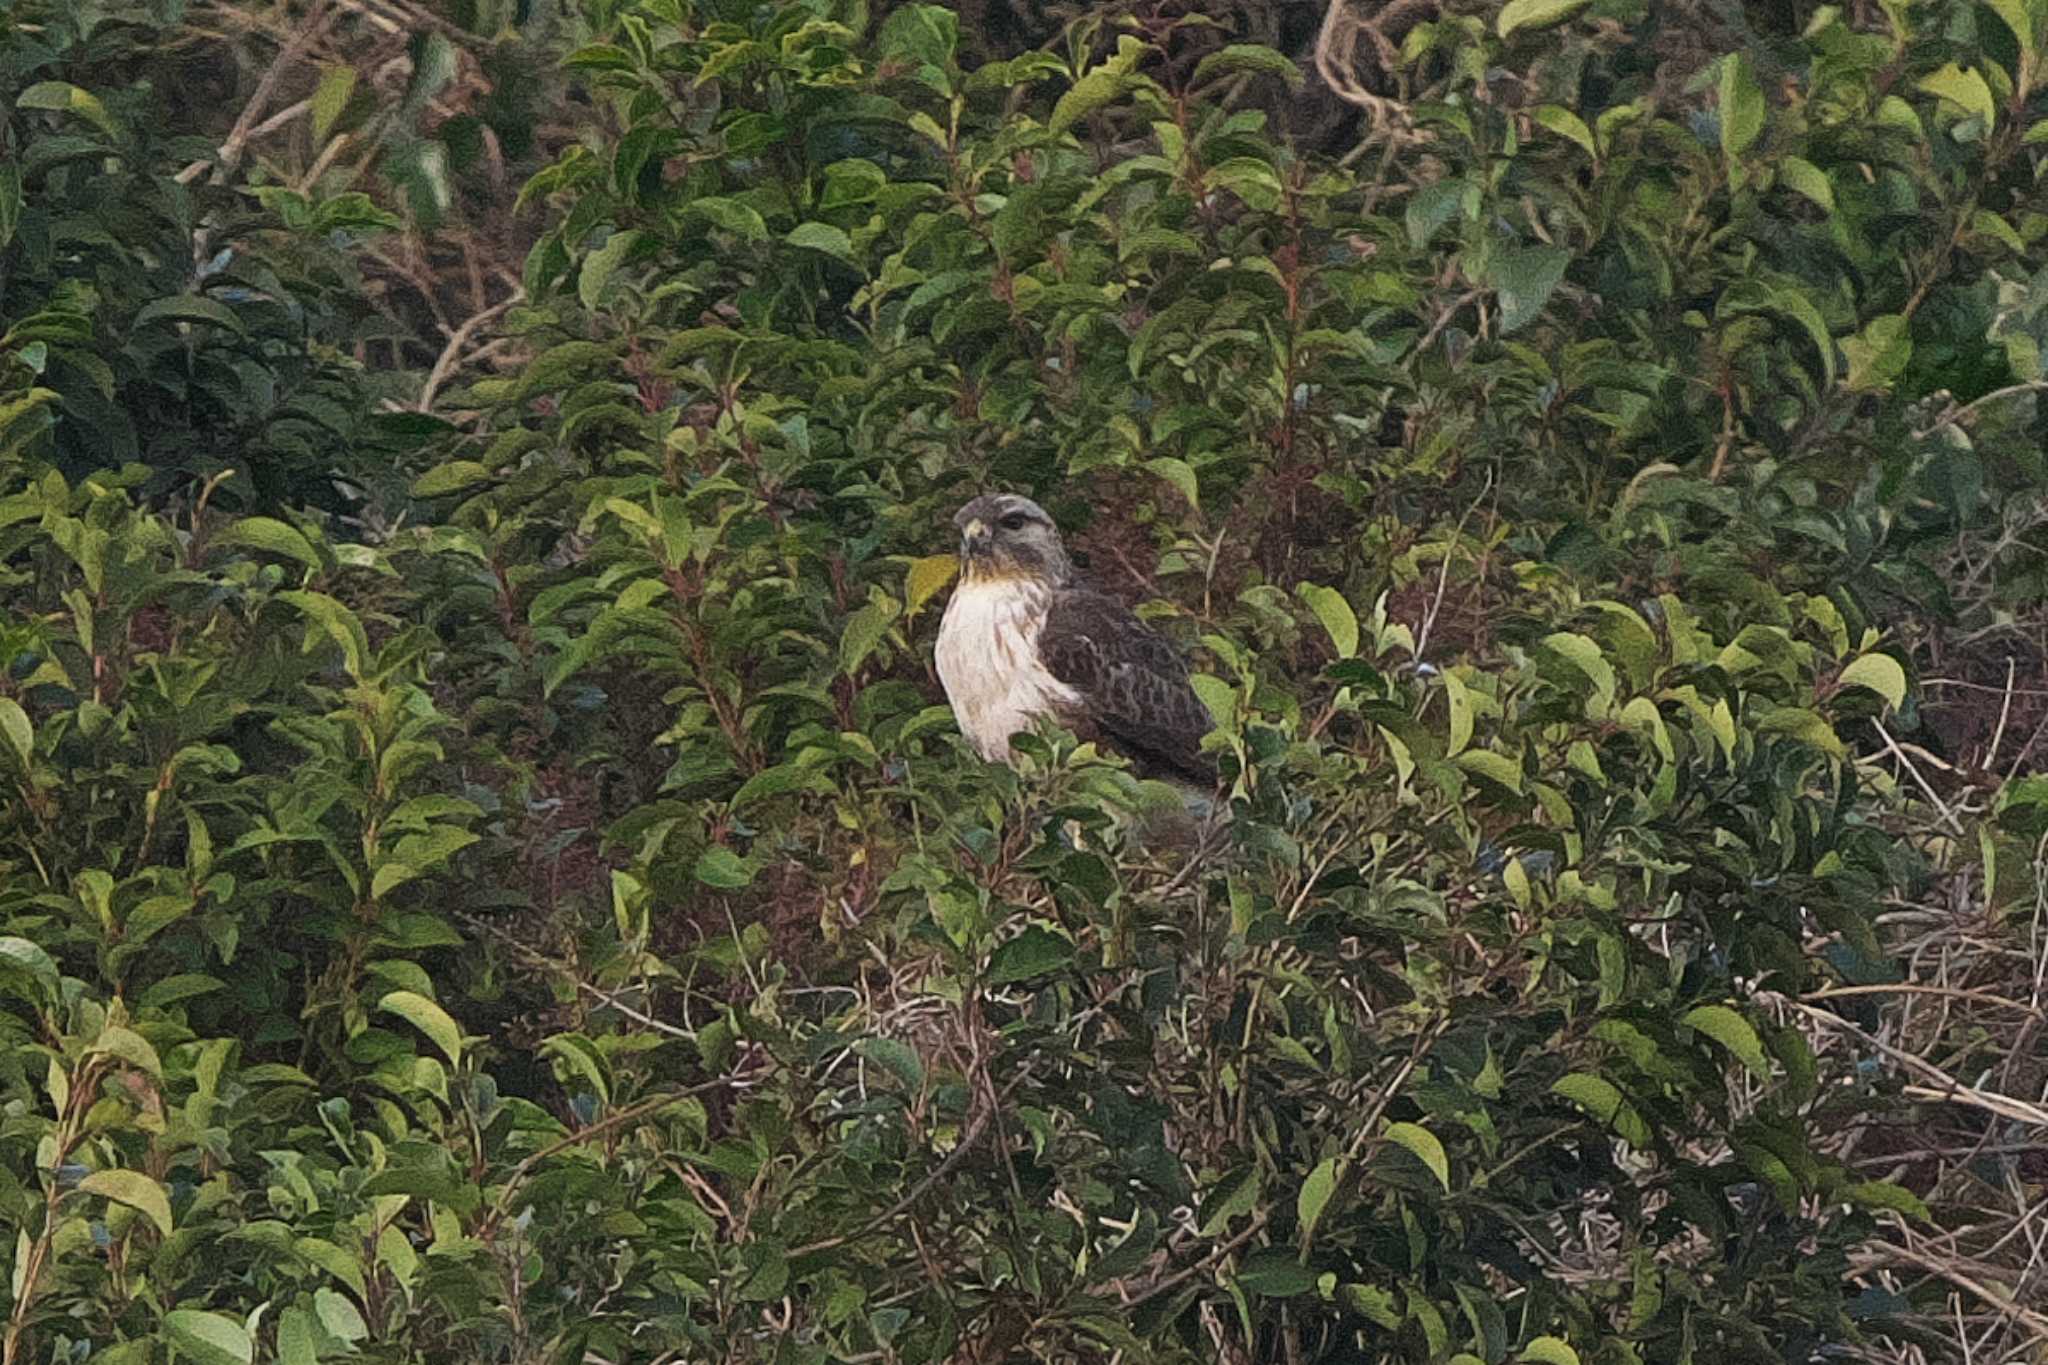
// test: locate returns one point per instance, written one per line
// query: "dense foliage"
(486, 871)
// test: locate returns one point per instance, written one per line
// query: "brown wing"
(1133, 685)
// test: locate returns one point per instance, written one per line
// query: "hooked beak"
(975, 538)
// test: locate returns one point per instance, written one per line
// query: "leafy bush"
(497, 882)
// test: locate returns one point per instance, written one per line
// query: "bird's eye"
(1014, 522)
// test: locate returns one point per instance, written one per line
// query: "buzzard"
(1023, 638)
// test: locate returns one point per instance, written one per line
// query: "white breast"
(988, 660)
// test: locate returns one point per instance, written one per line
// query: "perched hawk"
(1024, 638)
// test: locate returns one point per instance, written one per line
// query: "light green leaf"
(1583, 653)
(1566, 124)
(1493, 767)
(134, 1189)
(1731, 1031)
(61, 97)
(209, 1338)
(15, 727)
(926, 577)
(1549, 1351)
(272, 536)
(1219, 696)
(1249, 58)
(1604, 1102)
(1883, 1194)
(1965, 88)
(600, 265)
(297, 1338)
(823, 237)
(2019, 20)
(1340, 622)
(1099, 87)
(1878, 354)
(1803, 177)
(732, 216)
(429, 1018)
(1742, 106)
(1181, 475)
(452, 477)
(1534, 14)
(1458, 698)
(1315, 1194)
(722, 868)
(131, 1047)
(1425, 1146)
(338, 1314)
(21, 955)
(330, 98)
(1880, 673)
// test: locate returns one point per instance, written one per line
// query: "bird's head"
(1006, 536)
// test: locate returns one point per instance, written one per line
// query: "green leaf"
(209, 1338)
(1098, 88)
(1035, 952)
(429, 1018)
(18, 956)
(823, 237)
(188, 308)
(1275, 1273)
(1742, 106)
(16, 729)
(297, 1338)
(1549, 1351)
(1880, 673)
(1233, 1196)
(1493, 767)
(1534, 14)
(273, 537)
(131, 1047)
(1331, 607)
(1965, 88)
(1803, 177)
(2016, 15)
(1181, 475)
(1425, 1146)
(331, 97)
(338, 1314)
(730, 215)
(1731, 1031)
(1565, 123)
(452, 477)
(926, 33)
(64, 97)
(926, 577)
(864, 630)
(1605, 1102)
(134, 1189)
(1879, 353)
(722, 868)
(600, 265)
(1249, 58)
(1218, 696)
(1883, 1194)
(1315, 1194)
(1525, 278)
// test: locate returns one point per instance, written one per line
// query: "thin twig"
(451, 354)
(1957, 416)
